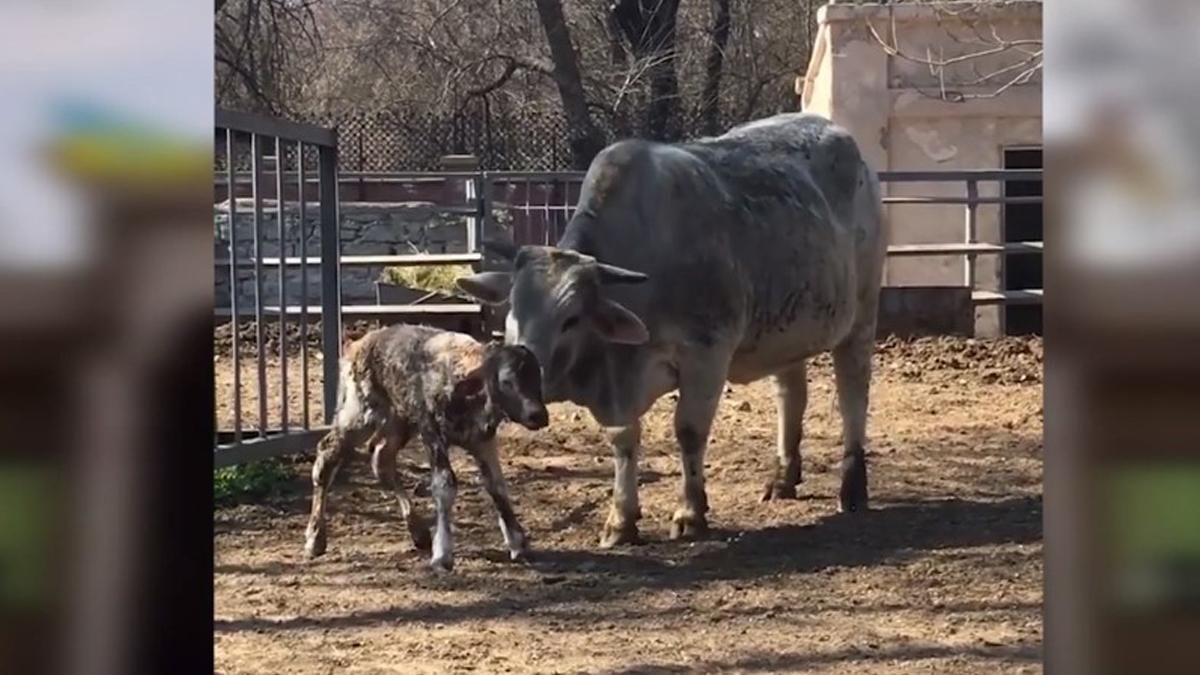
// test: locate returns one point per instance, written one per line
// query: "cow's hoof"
(421, 539)
(852, 498)
(688, 526)
(444, 565)
(618, 534)
(776, 489)
(314, 544)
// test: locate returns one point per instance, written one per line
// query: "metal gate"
(291, 171)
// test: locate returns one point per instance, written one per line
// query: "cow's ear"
(617, 324)
(501, 248)
(490, 287)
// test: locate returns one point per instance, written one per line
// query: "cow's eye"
(570, 323)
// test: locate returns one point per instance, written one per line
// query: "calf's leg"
(444, 486)
(383, 465)
(332, 451)
(852, 371)
(700, 389)
(625, 511)
(791, 388)
(492, 475)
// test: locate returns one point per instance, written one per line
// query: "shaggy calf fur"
(449, 389)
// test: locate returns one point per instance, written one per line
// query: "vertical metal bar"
(331, 294)
(547, 186)
(303, 285)
(566, 211)
(1002, 319)
(486, 220)
(469, 196)
(234, 314)
(256, 157)
(969, 233)
(528, 209)
(281, 220)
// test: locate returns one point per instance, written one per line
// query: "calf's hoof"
(518, 546)
(688, 526)
(852, 498)
(314, 544)
(519, 554)
(421, 539)
(777, 489)
(617, 533)
(443, 565)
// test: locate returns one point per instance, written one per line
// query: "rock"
(744, 406)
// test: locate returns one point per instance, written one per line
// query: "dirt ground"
(944, 574)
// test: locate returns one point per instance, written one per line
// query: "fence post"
(331, 291)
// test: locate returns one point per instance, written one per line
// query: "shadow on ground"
(887, 534)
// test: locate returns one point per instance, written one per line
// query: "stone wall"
(366, 229)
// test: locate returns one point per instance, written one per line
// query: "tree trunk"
(710, 100)
(649, 26)
(584, 137)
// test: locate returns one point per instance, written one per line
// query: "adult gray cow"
(687, 265)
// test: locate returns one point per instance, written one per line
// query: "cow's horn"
(611, 274)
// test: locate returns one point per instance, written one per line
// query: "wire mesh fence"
(415, 139)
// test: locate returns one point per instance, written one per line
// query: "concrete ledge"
(1020, 101)
(930, 11)
(913, 311)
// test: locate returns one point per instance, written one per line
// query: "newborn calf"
(450, 390)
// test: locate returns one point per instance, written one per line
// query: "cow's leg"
(444, 486)
(383, 463)
(492, 474)
(700, 392)
(792, 397)
(332, 451)
(625, 511)
(852, 370)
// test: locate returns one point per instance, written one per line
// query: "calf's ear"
(470, 386)
(490, 287)
(617, 324)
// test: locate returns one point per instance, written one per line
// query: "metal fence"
(532, 207)
(545, 202)
(253, 137)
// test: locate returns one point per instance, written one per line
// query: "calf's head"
(557, 302)
(511, 379)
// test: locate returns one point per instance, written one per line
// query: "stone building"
(870, 72)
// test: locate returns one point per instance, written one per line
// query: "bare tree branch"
(995, 81)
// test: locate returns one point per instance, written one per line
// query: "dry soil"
(944, 574)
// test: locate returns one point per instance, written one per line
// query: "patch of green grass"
(438, 278)
(30, 511)
(234, 484)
